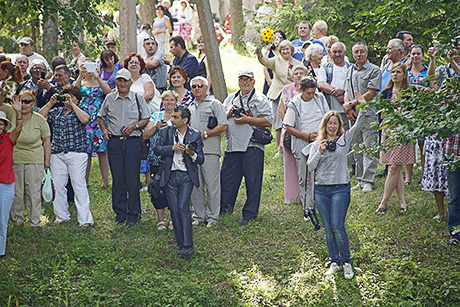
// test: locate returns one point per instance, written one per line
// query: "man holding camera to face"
(245, 109)
(208, 116)
(181, 151)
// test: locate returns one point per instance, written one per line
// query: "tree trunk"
(212, 49)
(50, 40)
(147, 12)
(237, 22)
(128, 38)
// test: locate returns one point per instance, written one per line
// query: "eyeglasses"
(27, 101)
(134, 63)
(37, 68)
(199, 85)
(242, 80)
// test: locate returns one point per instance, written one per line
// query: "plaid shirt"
(68, 133)
(452, 145)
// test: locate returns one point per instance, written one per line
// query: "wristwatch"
(137, 126)
(350, 103)
(205, 133)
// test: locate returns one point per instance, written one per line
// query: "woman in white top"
(142, 85)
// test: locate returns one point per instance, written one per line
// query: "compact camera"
(331, 145)
(61, 98)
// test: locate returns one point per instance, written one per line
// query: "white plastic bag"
(47, 186)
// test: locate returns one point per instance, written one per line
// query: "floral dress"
(92, 98)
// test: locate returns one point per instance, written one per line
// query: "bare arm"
(105, 131)
(255, 121)
(17, 130)
(149, 91)
(47, 150)
(215, 131)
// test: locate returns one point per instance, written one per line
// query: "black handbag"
(261, 135)
(212, 122)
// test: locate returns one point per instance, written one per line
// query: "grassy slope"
(278, 260)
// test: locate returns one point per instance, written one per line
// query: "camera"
(331, 145)
(311, 214)
(237, 112)
(192, 146)
(60, 98)
(43, 75)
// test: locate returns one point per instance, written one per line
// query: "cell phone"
(163, 121)
(43, 75)
(90, 67)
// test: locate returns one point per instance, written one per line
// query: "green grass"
(278, 260)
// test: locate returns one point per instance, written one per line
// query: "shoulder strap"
(329, 68)
(138, 108)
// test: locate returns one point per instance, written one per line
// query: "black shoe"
(119, 222)
(186, 252)
(244, 222)
(453, 242)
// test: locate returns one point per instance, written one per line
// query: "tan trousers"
(28, 179)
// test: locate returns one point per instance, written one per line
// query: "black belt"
(123, 137)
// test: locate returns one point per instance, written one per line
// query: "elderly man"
(154, 65)
(365, 78)
(27, 47)
(331, 80)
(304, 30)
(320, 31)
(244, 157)
(126, 113)
(408, 41)
(208, 116)
(395, 54)
(182, 57)
(62, 77)
(180, 174)
(23, 62)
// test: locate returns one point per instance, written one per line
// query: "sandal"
(407, 183)
(161, 225)
(381, 210)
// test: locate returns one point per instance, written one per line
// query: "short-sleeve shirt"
(309, 121)
(199, 121)
(367, 77)
(69, 133)
(29, 146)
(298, 54)
(158, 74)
(6, 159)
(10, 114)
(139, 86)
(122, 112)
(339, 79)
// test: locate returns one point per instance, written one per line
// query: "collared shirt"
(200, 117)
(122, 112)
(178, 157)
(446, 71)
(239, 135)
(361, 79)
(69, 133)
(189, 63)
(158, 74)
(420, 78)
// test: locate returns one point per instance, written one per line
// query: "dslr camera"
(311, 214)
(236, 112)
(331, 145)
(61, 98)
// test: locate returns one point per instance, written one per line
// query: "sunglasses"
(197, 86)
(27, 101)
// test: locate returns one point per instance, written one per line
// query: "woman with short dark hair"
(109, 66)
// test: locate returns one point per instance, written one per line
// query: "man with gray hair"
(209, 118)
(244, 157)
(365, 78)
(331, 80)
(395, 54)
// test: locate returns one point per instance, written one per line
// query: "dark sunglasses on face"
(27, 101)
(197, 86)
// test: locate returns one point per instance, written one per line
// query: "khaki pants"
(28, 180)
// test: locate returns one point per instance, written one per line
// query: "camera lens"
(331, 146)
(192, 146)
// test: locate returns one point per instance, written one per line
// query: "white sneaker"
(144, 189)
(334, 267)
(356, 187)
(196, 223)
(367, 188)
(348, 271)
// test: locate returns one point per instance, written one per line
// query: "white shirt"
(309, 120)
(178, 158)
(339, 78)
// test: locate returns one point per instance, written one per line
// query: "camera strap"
(249, 98)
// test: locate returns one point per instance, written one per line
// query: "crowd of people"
(149, 114)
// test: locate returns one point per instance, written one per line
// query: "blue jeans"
(453, 208)
(125, 163)
(236, 165)
(332, 202)
(6, 200)
(178, 191)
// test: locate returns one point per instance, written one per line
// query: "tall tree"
(147, 12)
(237, 22)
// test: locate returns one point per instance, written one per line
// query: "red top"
(6, 159)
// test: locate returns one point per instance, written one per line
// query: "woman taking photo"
(399, 155)
(177, 79)
(31, 156)
(109, 66)
(157, 121)
(10, 78)
(69, 155)
(332, 184)
(93, 90)
(7, 142)
(282, 66)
